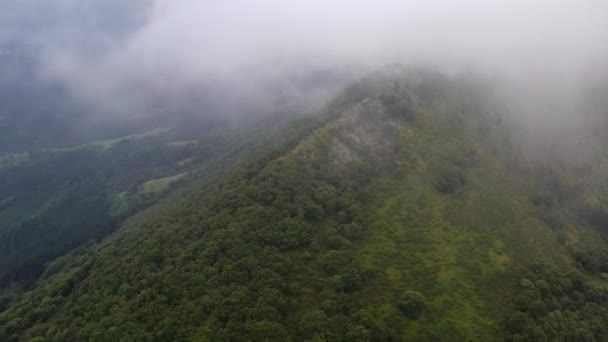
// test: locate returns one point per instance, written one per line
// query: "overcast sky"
(102, 47)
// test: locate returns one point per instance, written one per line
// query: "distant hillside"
(71, 172)
(407, 209)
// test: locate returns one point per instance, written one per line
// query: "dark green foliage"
(352, 230)
(558, 307)
(596, 216)
(450, 180)
(544, 198)
(411, 304)
(591, 260)
(316, 234)
(60, 199)
(215, 267)
(337, 242)
(361, 325)
(396, 105)
(345, 272)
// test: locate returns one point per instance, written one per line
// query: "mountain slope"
(389, 216)
(104, 182)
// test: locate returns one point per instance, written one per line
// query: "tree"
(412, 304)
(450, 180)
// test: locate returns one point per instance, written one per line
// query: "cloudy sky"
(102, 47)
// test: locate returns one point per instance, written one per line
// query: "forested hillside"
(106, 181)
(408, 209)
(70, 173)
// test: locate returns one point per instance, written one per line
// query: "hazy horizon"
(110, 53)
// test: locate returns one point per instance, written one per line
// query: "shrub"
(450, 180)
(337, 242)
(412, 304)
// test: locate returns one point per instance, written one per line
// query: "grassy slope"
(160, 184)
(107, 144)
(461, 250)
(464, 251)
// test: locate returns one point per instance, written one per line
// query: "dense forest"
(406, 209)
(106, 181)
(56, 162)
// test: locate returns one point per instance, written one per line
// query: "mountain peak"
(397, 212)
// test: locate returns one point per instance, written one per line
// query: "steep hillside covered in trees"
(405, 210)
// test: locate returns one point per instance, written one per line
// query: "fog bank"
(120, 53)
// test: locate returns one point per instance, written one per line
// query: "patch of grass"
(120, 204)
(185, 162)
(13, 159)
(109, 143)
(127, 202)
(160, 184)
(460, 250)
(181, 143)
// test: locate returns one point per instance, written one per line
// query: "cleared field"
(160, 184)
(13, 159)
(181, 143)
(109, 143)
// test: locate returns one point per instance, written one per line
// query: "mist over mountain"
(119, 54)
(303, 171)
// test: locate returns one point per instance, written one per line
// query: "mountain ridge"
(385, 217)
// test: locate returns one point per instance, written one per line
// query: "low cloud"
(117, 52)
